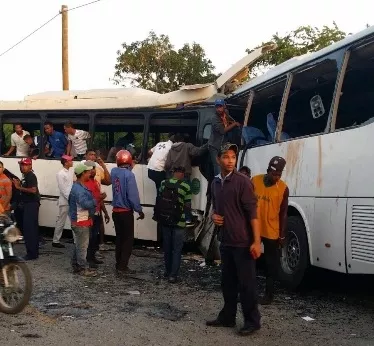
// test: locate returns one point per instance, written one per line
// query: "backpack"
(168, 209)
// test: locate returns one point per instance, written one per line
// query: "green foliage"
(303, 40)
(154, 64)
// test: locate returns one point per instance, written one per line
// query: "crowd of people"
(247, 211)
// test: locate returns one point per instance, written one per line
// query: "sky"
(224, 29)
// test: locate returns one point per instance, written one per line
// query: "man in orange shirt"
(5, 190)
(272, 203)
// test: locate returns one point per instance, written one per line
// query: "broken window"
(310, 99)
(356, 106)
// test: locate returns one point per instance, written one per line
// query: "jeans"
(81, 239)
(93, 244)
(124, 228)
(173, 240)
(31, 228)
(60, 223)
(213, 157)
(239, 274)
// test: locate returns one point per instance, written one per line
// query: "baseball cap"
(277, 164)
(80, 168)
(25, 161)
(219, 102)
(67, 157)
(226, 147)
(89, 163)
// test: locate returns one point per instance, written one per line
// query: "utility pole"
(65, 48)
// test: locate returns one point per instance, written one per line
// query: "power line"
(43, 25)
(26, 37)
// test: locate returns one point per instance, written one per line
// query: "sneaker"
(87, 273)
(248, 329)
(219, 323)
(173, 280)
(104, 247)
(58, 245)
(126, 271)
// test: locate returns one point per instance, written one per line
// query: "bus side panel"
(328, 234)
(360, 235)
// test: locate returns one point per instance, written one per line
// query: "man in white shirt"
(156, 164)
(65, 178)
(77, 141)
(17, 142)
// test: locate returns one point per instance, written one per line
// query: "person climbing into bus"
(65, 179)
(103, 178)
(125, 201)
(29, 204)
(77, 141)
(235, 216)
(156, 163)
(82, 208)
(181, 155)
(170, 211)
(124, 143)
(272, 204)
(17, 143)
(34, 149)
(221, 125)
(57, 141)
(5, 190)
(245, 170)
(93, 246)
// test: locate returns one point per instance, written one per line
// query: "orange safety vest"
(269, 200)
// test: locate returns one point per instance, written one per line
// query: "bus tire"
(294, 261)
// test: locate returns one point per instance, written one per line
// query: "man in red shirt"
(94, 188)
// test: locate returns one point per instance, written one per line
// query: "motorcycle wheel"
(16, 295)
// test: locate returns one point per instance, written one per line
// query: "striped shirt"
(79, 141)
(5, 192)
(184, 192)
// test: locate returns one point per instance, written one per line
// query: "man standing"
(77, 141)
(234, 213)
(156, 163)
(30, 201)
(221, 125)
(65, 178)
(17, 142)
(174, 200)
(82, 208)
(57, 141)
(125, 201)
(272, 204)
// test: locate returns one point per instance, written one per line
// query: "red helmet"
(25, 161)
(123, 157)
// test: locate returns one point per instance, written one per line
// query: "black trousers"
(157, 177)
(239, 276)
(124, 228)
(31, 228)
(271, 257)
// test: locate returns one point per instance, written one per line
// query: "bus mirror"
(316, 106)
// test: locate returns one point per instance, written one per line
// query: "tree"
(155, 65)
(303, 40)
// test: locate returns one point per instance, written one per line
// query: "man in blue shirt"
(57, 141)
(125, 201)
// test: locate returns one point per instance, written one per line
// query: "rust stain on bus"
(294, 156)
(319, 176)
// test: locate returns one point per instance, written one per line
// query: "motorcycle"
(15, 276)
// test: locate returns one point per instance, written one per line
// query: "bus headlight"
(12, 234)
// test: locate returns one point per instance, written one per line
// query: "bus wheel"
(294, 261)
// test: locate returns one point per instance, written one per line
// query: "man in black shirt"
(29, 203)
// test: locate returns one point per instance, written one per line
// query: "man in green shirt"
(172, 203)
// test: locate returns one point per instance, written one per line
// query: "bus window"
(115, 131)
(264, 114)
(206, 132)
(29, 123)
(356, 106)
(310, 99)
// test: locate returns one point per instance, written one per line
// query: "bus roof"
(300, 60)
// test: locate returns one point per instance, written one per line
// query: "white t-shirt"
(20, 144)
(159, 153)
(79, 141)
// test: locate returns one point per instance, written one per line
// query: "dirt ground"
(70, 310)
